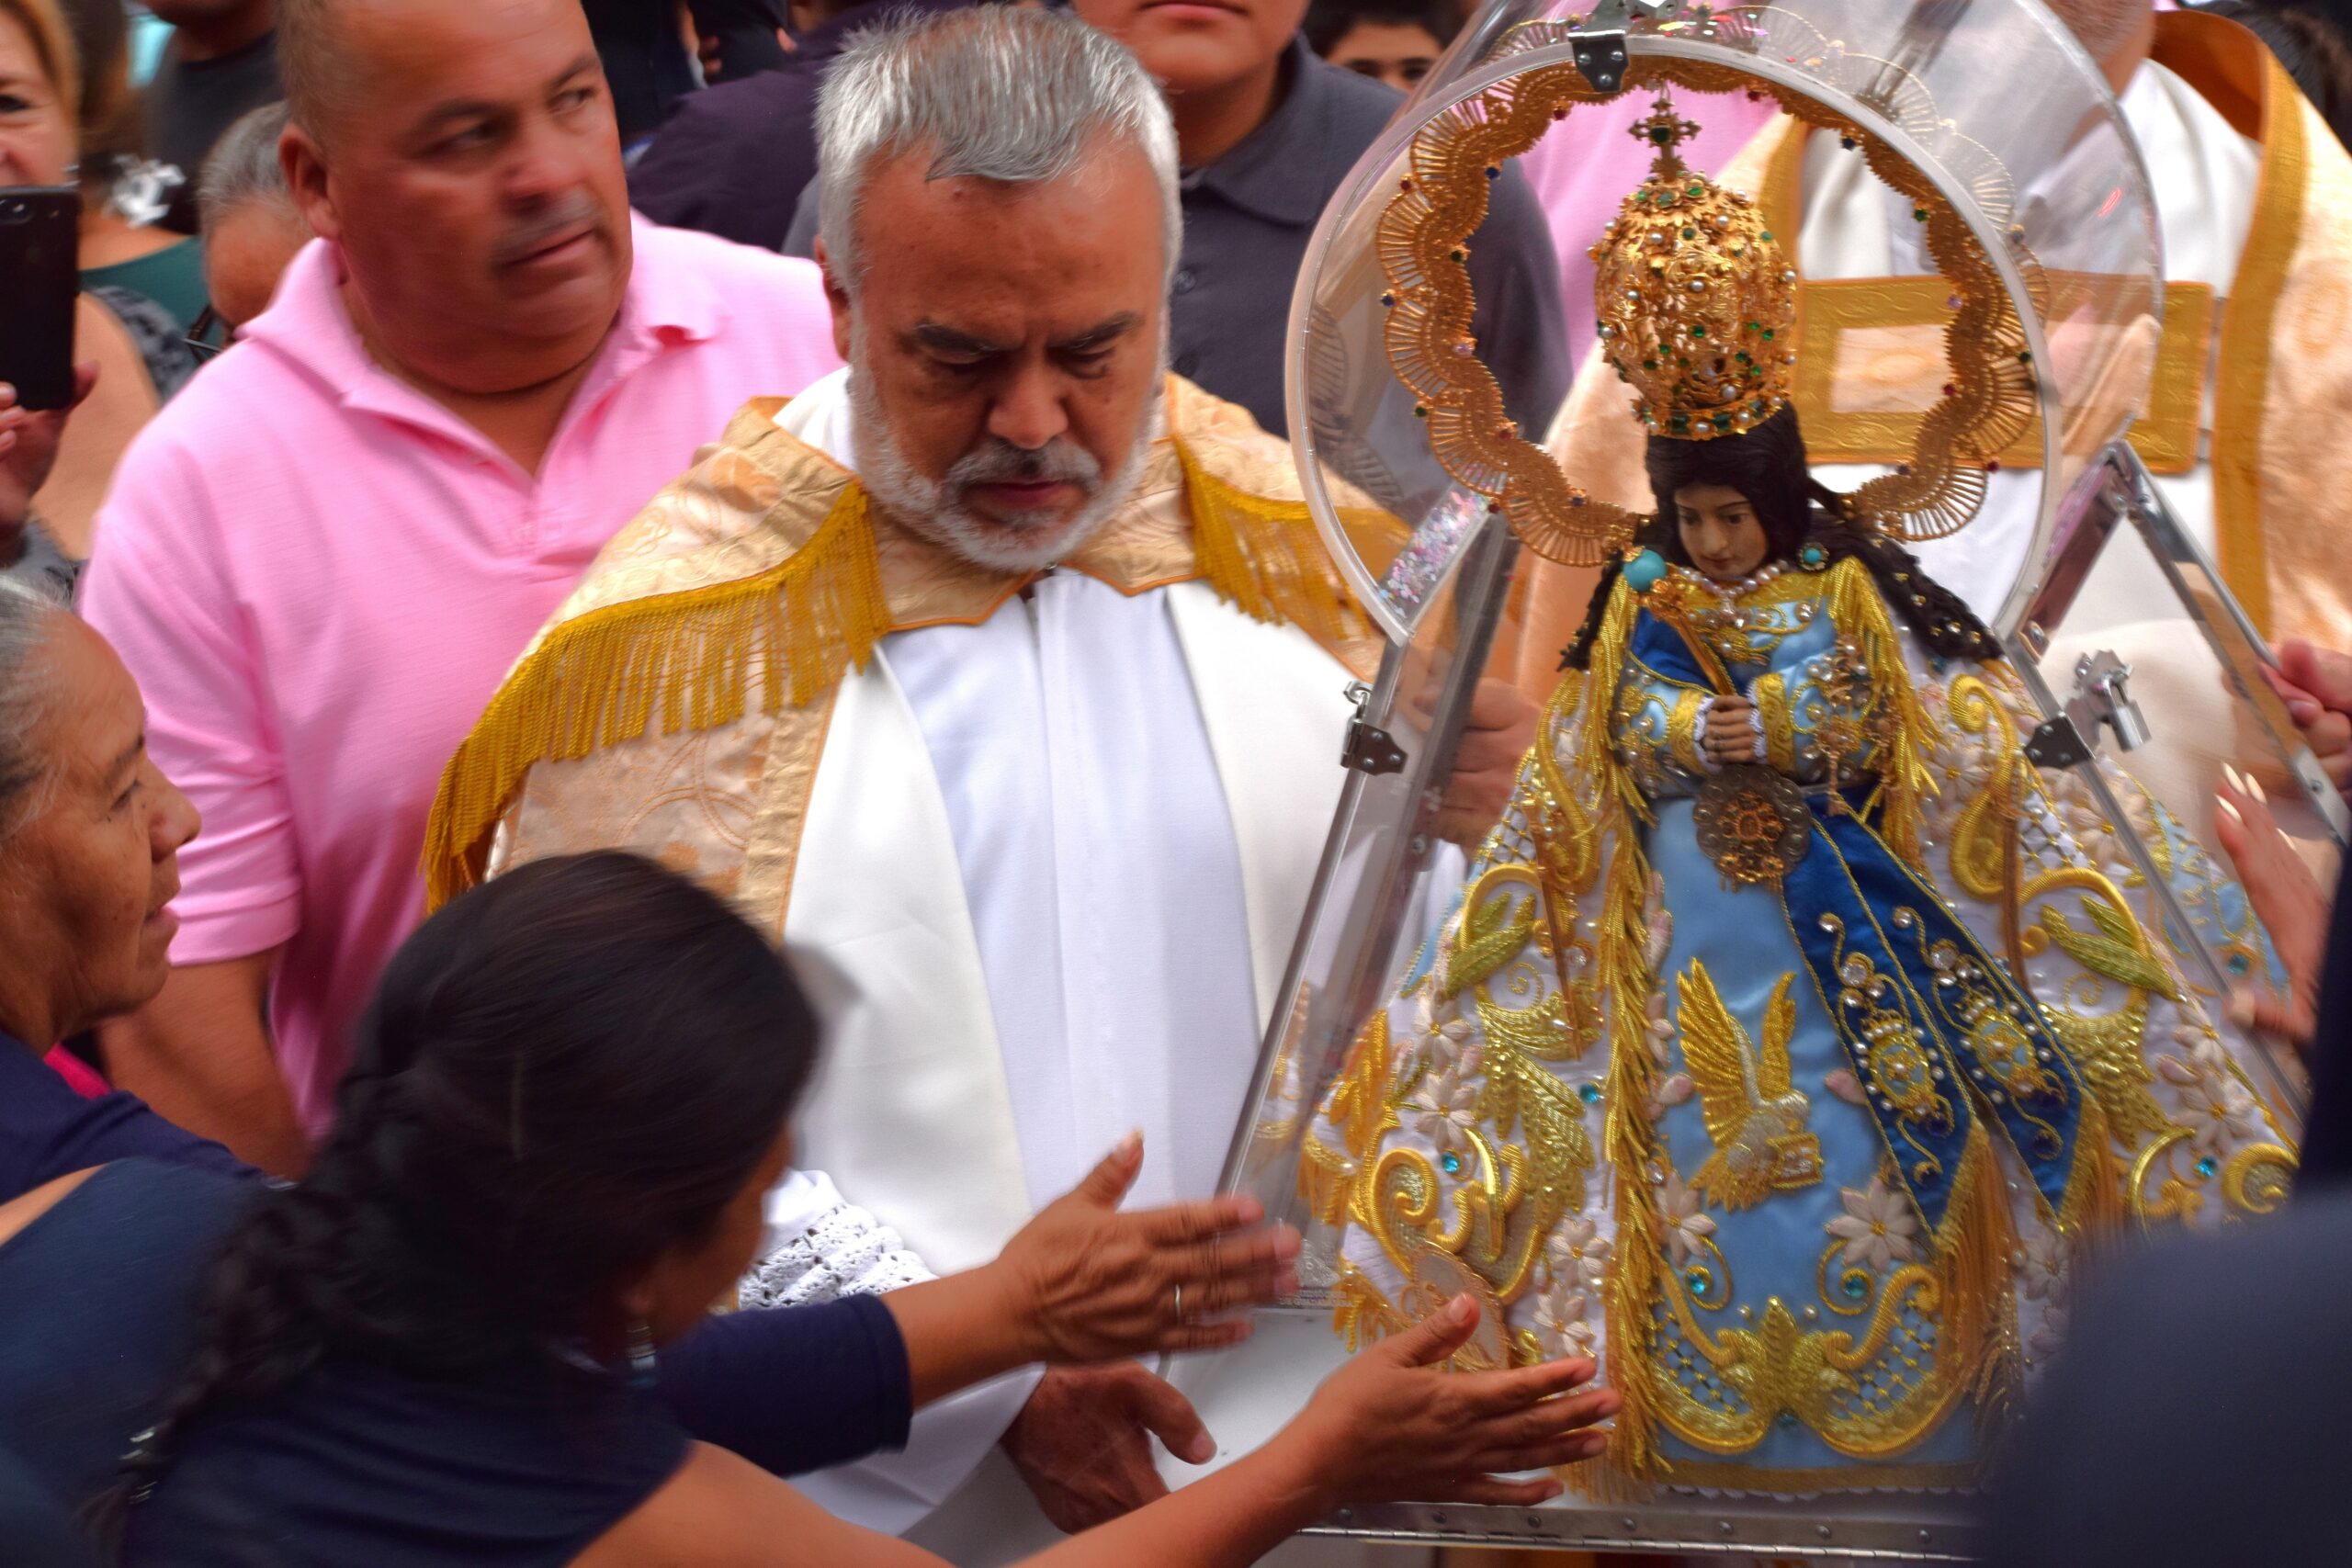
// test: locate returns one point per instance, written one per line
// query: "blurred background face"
(83, 884)
(1005, 349)
(1191, 45)
(472, 175)
(1398, 53)
(35, 135)
(196, 13)
(246, 252)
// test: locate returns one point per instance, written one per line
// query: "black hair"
(564, 1073)
(1329, 21)
(1767, 465)
(2310, 41)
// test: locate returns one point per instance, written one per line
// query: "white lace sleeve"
(822, 1246)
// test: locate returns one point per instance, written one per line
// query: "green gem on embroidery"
(1698, 1280)
(2207, 1166)
(1590, 1093)
(1856, 1287)
(2240, 963)
(1698, 330)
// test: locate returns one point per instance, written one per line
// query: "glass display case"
(2016, 336)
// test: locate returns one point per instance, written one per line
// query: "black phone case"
(39, 267)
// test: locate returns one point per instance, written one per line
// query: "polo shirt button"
(1187, 365)
(1185, 279)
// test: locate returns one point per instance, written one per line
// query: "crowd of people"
(672, 663)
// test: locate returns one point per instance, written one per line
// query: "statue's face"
(1721, 533)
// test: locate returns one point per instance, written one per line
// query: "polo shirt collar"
(1286, 169)
(664, 301)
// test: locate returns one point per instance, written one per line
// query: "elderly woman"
(89, 838)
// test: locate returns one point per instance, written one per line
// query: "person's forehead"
(18, 60)
(430, 52)
(1074, 246)
(95, 716)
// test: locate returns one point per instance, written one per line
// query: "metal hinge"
(2102, 700)
(1599, 42)
(1370, 750)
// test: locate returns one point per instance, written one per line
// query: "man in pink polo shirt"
(321, 558)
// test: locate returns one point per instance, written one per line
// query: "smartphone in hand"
(39, 277)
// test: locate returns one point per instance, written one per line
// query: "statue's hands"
(2316, 685)
(1731, 732)
(2289, 901)
(1089, 1283)
(1392, 1425)
(1495, 739)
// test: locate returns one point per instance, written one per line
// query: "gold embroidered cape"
(703, 648)
(2281, 393)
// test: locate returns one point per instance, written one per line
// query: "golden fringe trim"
(2094, 1204)
(1907, 736)
(1266, 557)
(1629, 1141)
(1606, 666)
(598, 680)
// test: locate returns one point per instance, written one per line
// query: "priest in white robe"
(1003, 676)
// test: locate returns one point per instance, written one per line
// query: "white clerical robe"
(1131, 793)
(2204, 174)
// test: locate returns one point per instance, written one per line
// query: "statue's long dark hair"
(565, 1073)
(1767, 465)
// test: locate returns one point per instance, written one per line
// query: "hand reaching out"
(2289, 901)
(1084, 1441)
(2316, 685)
(1495, 739)
(1391, 1425)
(1092, 1283)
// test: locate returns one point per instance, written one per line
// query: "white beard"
(935, 509)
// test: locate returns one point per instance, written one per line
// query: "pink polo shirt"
(318, 576)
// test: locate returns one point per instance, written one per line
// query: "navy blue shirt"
(791, 1389)
(47, 1130)
(732, 159)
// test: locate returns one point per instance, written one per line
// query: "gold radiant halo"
(1422, 240)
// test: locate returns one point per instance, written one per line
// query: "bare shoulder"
(723, 1511)
(26, 1207)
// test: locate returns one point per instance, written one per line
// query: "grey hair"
(243, 166)
(27, 622)
(996, 93)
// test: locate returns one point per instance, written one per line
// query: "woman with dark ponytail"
(567, 1103)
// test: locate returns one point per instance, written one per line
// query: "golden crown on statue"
(1697, 304)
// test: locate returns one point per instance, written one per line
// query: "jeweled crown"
(1696, 302)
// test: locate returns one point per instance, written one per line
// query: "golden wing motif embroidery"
(1754, 1113)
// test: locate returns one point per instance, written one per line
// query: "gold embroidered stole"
(753, 583)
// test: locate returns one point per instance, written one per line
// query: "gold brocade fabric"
(680, 697)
